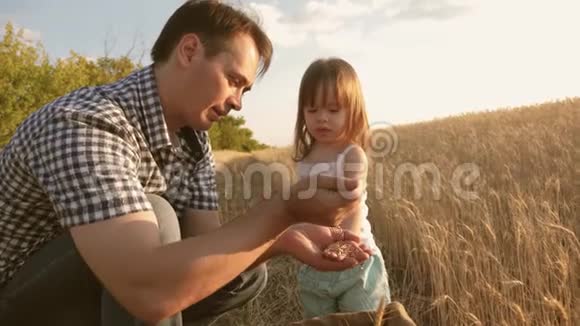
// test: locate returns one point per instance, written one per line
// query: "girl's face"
(326, 119)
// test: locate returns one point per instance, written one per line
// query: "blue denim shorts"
(360, 288)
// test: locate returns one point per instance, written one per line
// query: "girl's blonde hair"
(340, 75)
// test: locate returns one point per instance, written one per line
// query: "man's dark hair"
(215, 24)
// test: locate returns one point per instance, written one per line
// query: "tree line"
(29, 80)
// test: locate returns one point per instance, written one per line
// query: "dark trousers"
(56, 287)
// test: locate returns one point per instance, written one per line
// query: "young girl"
(330, 136)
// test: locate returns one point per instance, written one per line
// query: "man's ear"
(188, 49)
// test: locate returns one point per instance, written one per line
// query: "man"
(108, 202)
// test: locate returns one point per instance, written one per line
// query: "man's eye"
(234, 81)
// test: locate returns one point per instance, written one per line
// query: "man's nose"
(229, 106)
(235, 102)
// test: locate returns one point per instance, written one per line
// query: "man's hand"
(306, 242)
(323, 200)
(341, 249)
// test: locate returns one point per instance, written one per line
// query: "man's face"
(216, 85)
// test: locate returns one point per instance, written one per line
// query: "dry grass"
(509, 257)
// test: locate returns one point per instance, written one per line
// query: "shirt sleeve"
(88, 169)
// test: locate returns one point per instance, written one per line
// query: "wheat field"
(503, 250)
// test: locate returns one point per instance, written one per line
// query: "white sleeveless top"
(307, 169)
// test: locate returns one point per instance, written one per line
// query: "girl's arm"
(355, 166)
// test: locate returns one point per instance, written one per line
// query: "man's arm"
(115, 232)
(161, 280)
(158, 280)
(90, 174)
(197, 221)
(306, 242)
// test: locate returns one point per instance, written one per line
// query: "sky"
(417, 59)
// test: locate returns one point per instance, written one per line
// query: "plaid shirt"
(93, 155)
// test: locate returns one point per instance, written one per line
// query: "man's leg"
(235, 294)
(54, 287)
(112, 313)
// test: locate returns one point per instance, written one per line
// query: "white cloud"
(279, 32)
(496, 54)
(499, 54)
(314, 19)
(426, 9)
(336, 10)
(415, 9)
(325, 21)
(31, 35)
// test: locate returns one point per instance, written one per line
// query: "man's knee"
(245, 287)
(166, 219)
(250, 283)
(238, 292)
